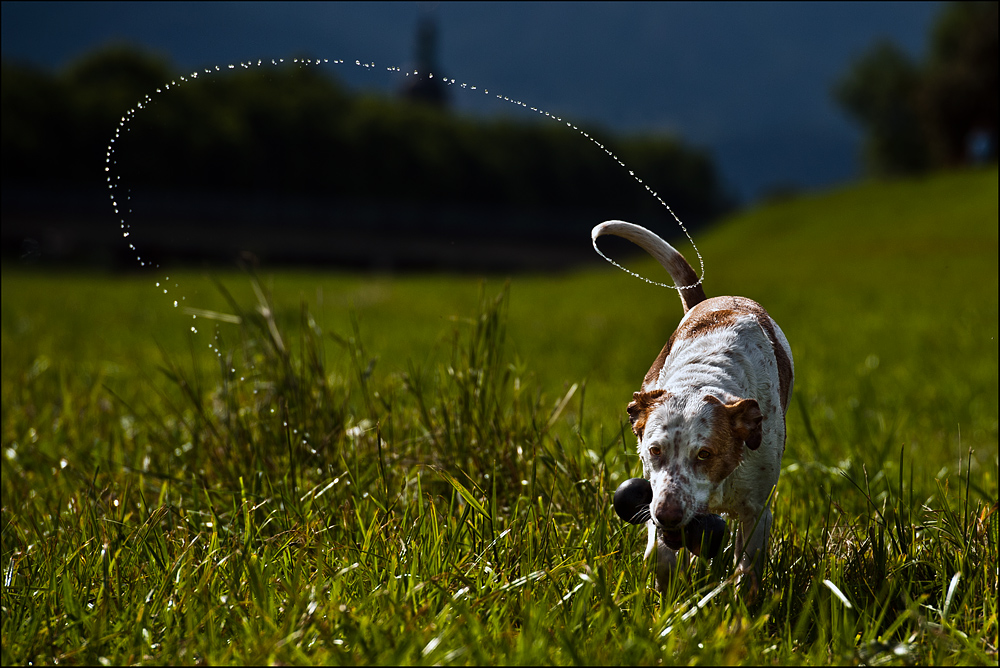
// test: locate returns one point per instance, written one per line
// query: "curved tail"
(687, 282)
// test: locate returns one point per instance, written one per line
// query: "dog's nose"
(669, 514)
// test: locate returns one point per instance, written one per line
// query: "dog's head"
(689, 445)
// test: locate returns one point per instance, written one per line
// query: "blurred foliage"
(880, 91)
(939, 113)
(959, 92)
(296, 129)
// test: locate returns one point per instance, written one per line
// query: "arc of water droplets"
(638, 180)
(123, 126)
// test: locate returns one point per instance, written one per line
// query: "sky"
(748, 82)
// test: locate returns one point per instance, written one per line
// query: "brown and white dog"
(710, 416)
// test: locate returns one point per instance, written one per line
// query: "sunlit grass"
(418, 470)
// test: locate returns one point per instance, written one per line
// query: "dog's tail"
(687, 282)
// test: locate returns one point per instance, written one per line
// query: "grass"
(419, 469)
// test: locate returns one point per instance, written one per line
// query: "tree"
(958, 96)
(940, 113)
(880, 90)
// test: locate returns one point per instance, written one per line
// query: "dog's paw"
(748, 584)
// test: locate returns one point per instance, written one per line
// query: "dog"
(710, 415)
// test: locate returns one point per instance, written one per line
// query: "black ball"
(632, 499)
(705, 535)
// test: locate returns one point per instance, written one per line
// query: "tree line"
(938, 113)
(295, 129)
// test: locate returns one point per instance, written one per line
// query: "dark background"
(748, 81)
(713, 105)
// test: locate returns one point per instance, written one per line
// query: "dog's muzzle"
(704, 535)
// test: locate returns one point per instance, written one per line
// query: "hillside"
(367, 470)
(903, 271)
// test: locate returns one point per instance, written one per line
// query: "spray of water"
(121, 195)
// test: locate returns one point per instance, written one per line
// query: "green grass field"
(418, 469)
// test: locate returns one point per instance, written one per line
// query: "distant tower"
(421, 87)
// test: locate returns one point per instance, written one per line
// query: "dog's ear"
(638, 409)
(746, 418)
(633, 409)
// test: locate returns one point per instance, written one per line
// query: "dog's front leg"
(666, 558)
(752, 552)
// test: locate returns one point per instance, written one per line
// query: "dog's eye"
(704, 454)
(655, 451)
